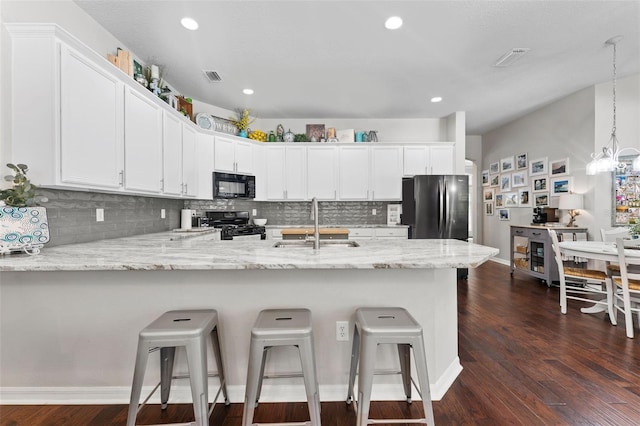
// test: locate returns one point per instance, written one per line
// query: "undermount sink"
(309, 244)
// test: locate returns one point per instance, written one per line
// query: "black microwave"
(229, 185)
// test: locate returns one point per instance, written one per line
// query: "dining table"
(599, 250)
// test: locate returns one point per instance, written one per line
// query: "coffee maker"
(539, 215)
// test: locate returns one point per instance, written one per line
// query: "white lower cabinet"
(378, 233)
(361, 233)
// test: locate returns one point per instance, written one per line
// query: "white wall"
(573, 128)
(473, 152)
(563, 129)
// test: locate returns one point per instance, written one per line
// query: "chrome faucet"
(316, 228)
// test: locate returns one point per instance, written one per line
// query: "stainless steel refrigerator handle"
(445, 219)
(440, 207)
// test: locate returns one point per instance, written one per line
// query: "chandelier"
(609, 159)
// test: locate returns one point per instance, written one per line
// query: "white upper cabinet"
(142, 143)
(204, 166)
(172, 154)
(386, 173)
(285, 172)
(322, 172)
(429, 160)
(353, 172)
(189, 161)
(91, 137)
(233, 155)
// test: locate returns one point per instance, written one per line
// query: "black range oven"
(234, 225)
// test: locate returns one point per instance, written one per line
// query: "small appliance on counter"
(542, 215)
(234, 225)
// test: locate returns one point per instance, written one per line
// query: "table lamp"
(573, 203)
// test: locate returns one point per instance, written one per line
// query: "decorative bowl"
(260, 222)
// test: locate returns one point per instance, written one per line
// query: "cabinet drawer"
(391, 233)
(521, 232)
(361, 233)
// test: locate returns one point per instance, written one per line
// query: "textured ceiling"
(335, 59)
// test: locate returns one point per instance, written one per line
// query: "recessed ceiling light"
(393, 23)
(436, 99)
(248, 91)
(189, 23)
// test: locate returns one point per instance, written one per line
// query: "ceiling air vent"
(511, 56)
(212, 76)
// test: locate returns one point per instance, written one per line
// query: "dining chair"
(629, 284)
(577, 283)
(610, 235)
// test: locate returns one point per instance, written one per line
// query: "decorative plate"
(205, 121)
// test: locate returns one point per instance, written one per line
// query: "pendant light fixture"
(608, 160)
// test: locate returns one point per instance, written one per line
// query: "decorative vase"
(242, 133)
(23, 229)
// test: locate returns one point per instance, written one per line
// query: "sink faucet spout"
(316, 227)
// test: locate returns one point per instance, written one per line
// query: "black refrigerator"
(437, 207)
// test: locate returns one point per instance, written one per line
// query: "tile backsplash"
(72, 214)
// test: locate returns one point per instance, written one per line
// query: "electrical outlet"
(254, 212)
(342, 330)
(163, 214)
(99, 215)
(374, 212)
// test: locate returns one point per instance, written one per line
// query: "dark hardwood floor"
(524, 364)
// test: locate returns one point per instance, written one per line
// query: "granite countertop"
(550, 226)
(162, 251)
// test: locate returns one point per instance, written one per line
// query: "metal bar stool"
(281, 327)
(188, 328)
(376, 326)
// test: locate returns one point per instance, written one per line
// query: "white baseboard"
(500, 261)
(182, 394)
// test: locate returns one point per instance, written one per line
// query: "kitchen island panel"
(70, 337)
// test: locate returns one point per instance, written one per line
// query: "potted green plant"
(634, 230)
(23, 223)
(242, 122)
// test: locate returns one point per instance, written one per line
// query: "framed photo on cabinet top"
(540, 184)
(562, 185)
(524, 197)
(538, 167)
(559, 167)
(521, 161)
(485, 178)
(506, 164)
(495, 180)
(541, 199)
(494, 168)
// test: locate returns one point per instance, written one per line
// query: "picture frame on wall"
(505, 182)
(538, 167)
(519, 179)
(541, 199)
(561, 185)
(540, 184)
(488, 194)
(494, 168)
(499, 200)
(559, 167)
(521, 161)
(506, 164)
(504, 214)
(488, 209)
(510, 199)
(524, 197)
(495, 180)
(485, 178)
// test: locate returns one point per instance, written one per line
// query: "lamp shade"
(570, 202)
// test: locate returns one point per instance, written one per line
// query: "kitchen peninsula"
(70, 316)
